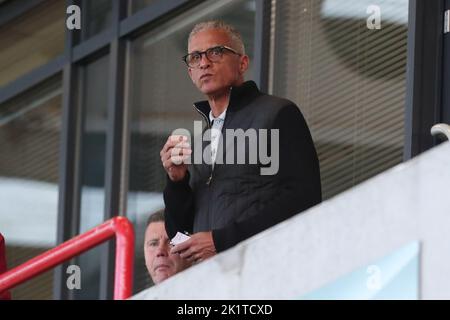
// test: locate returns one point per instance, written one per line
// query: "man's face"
(159, 262)
(213, 78)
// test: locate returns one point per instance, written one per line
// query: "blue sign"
(396, 276)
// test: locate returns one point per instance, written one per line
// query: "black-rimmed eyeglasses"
(213, 54)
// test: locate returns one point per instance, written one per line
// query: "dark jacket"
(234, 200)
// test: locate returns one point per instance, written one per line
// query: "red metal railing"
(119, 227)
(3, 295)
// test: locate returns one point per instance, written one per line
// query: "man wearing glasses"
(222, 204)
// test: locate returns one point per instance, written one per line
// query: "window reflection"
(349, 81)
(136, 5)
(30, 41)
(30, 127)
(97, 17)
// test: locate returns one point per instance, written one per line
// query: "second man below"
(160, 263)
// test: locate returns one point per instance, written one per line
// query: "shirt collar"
(221, 116)
(239, 97)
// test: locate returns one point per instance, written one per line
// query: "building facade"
(84, 112)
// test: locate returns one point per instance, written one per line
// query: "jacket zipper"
(208, 181)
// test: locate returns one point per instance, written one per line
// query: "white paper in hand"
(179, 238)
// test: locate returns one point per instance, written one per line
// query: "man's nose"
(163, 250)
(204, 61)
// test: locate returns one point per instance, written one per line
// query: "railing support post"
(120, 227)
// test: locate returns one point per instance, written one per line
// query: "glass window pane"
(93, 94)
(30, 127)
(348, 80)
(160, 99)
(136, 5)
(96, 17)
(32, 40)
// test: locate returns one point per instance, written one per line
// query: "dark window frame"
(424, 84)
(446, 75)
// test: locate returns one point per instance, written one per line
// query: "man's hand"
(198, 248)
(174, 155)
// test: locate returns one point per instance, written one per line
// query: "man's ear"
(243, 66)
(190, 73)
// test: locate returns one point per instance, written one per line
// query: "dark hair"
(158, 216)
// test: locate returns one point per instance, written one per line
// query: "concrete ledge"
(406, 203)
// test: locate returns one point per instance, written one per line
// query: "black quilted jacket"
(234, 200)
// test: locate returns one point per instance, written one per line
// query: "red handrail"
(120, 227)
(4, 295)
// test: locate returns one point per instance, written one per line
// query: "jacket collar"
(239, 98)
